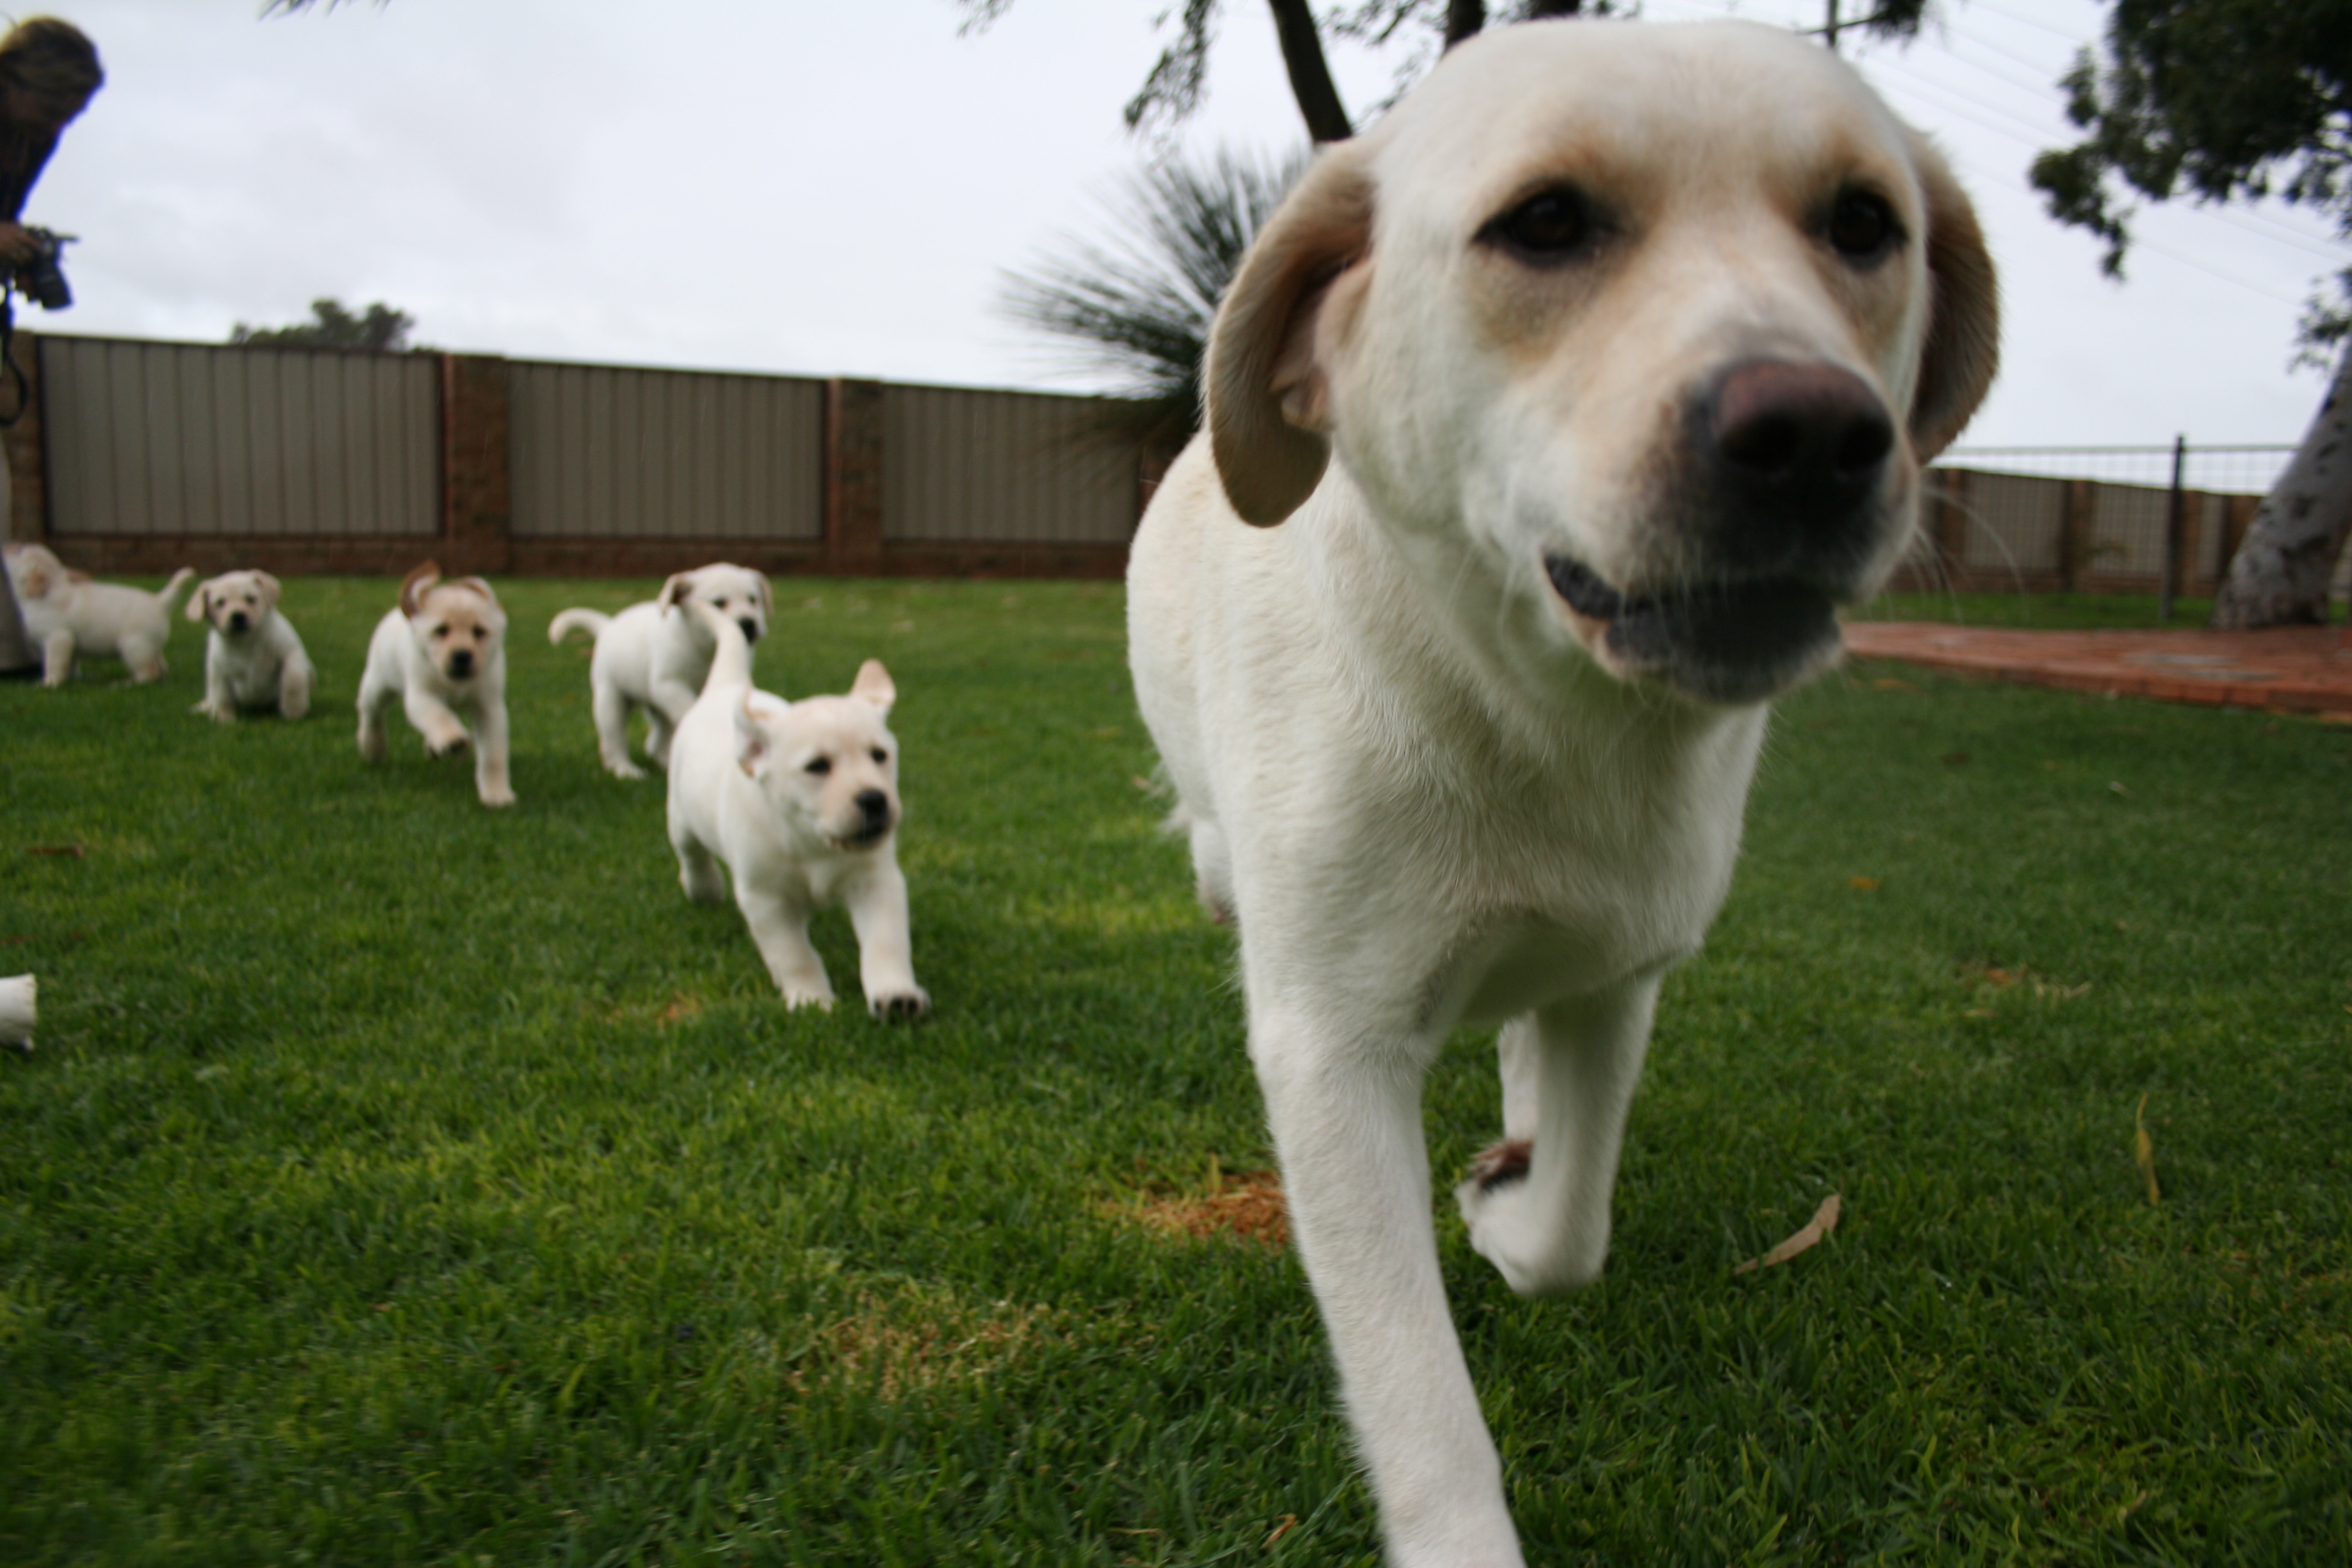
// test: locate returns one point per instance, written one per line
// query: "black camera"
(41, 278)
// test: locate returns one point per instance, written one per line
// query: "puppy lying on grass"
(254, 659)
(657, 656)
(798, 799)
(441, 651)
(67, 614)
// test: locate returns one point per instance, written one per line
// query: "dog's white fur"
(254, 657)
(800, 800)
(657, 656)
(1428, 789)
(67, 614)
(441, 653)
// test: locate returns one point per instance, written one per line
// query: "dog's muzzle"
(237, 622)
(1780, 499)
(461, 665)
(750, 629)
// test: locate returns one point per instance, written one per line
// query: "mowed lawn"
(399, 1182)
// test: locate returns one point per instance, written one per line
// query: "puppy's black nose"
(874, 806)
(236, 621)
(1800, 432)
(461, 663)
(750, 629)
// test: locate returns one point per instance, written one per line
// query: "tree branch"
(1310, 76)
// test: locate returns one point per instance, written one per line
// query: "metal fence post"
(2170, 583)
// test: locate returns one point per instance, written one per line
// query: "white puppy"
(441, 653)
(67, 614)
(656, 655)
(1582, 388)
(798, 799)
(253, 656)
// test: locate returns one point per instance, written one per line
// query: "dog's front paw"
(820, 1000)
(496, 795)
(447, 745)
(371, 746)
(624, 769)
(1525, 1238)
(899, 1007)
(218, 713)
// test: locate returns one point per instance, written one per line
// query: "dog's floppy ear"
(872, 685)
(33, 578)
(674, 591)
(1964, 309)
(751, 741)
(269, 591)
(417, 583)
(200, 602)
(478, 585)
(767, 595)
(1267, 383)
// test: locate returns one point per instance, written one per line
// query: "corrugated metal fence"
(142, 455)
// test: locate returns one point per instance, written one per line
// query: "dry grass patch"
(1245, 1203)
(914, 1342)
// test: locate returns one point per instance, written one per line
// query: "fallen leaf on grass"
(1863, 884)
(2118, 789)
(2143, 1152)
(76, 850)
(1824, 1221)
(1288, 1520)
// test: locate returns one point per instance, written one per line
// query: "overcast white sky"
(834, 186)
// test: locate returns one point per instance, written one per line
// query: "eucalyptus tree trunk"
(2279, 576)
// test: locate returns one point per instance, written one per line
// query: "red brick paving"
(2305, 670)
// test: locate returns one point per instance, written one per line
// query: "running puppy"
(656, 655)
(799, 800)
(441, 653)
(1548, 423)
(67, 615)
(253, 656)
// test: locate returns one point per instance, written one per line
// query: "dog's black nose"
(1801, 429)
(874, 806)
(750, 629)
(461, 663)
(236, 621)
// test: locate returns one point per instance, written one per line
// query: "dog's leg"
(612, 712)
(491, 781)
(886, 952)
(295, 679)
(219, 704)
(659, 730)
(1346, 1115)
(433, 720)
(1537, 1205)
(780, 928)
(374, 697)
(672, 698)
(57, 657)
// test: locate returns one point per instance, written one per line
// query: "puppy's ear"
(674, 591)
(200, 602)
(269, 591)
(33, 579)
(751, 741)
(872, 685)
(417, 583)
(767, 595)
(1964, 309)
(1268, 378)
(478, 587)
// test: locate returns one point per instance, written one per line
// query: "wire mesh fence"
(2163, 520)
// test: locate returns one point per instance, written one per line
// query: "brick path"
(2306, 670)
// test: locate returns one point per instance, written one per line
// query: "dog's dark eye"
(1863, 227)
(880, 755)
(440, 631)
(1550, 225)
(820, 766)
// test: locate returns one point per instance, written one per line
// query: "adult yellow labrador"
(1548, 423)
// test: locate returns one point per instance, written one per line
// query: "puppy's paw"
(797, 1000)
(218, 713)
(372, 745)
(1510, 1228)
(496, 795)
(899, 1007)
(447, 745)
(624, 769)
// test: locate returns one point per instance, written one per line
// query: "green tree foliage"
(379, 330)
(2219, 101)
(1139, 306)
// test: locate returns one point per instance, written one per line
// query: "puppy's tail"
(171, 590)
(732, 665)
(593, 622)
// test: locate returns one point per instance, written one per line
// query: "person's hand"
(18, 246)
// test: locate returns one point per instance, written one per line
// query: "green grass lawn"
(400, 1182)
